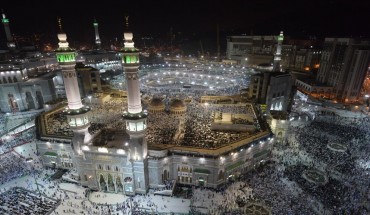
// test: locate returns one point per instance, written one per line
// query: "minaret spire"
(67, 60)
(77, 114)
(135, 117)
(277, 56)
(97, 37)
(130, 60)
(9, 37)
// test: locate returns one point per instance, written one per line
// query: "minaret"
(135, 117)
(9, 37)
(277, 56)
(77, 114)
(97, 37)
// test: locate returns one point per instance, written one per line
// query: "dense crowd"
(21, 201)
(56, 124)
(12, 166)
(9, 141)
(280, 184)
(194, 127)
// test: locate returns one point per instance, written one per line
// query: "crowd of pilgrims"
(279, 184)
(347, 186)
(12, 166)
(190, 129)
(56, 124)
(108, 115)
(193, 128)
(223, 71)
(20, 201)
(2, 122)
(9, 141)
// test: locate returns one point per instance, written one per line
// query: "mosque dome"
(177, 106)
(156, 105)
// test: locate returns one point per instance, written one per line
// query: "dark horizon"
(302, 19)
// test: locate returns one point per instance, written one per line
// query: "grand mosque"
(179, 136)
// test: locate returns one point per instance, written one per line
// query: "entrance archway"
(221, 175)
(128, 186)
(165, 175)
(111, 187)
(29, 100)
(201, 181)
(119, 184)
(12, 103)
(103, 184)
(40, 99)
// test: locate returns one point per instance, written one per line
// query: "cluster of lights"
(102, 149)
(121, 151)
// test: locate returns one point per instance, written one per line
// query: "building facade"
(343, 66)
(272, 89)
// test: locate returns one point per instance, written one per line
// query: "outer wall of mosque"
(112, 171)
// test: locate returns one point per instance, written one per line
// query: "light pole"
(30, 160)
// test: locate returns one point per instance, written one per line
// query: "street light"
(30, 160)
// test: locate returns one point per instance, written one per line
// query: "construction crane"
(201, 49)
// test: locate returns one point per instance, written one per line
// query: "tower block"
(77, 114)
(135, 117)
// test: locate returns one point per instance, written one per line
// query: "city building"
(100, 59)
(262, 52)
(251, 50)
(259, 51)
(89, 78)
(272, 89)
(343, 66)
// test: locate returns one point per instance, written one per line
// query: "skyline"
(303, 18)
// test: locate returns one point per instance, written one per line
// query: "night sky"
(299, 18)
